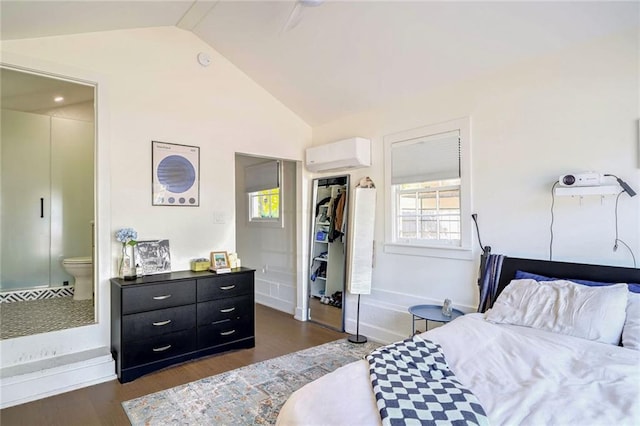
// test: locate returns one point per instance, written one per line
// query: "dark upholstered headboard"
(610, 274)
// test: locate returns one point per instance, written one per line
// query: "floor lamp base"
(357, 339)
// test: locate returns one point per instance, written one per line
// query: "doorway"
(47, 189)
(268, 244)
(328, 260)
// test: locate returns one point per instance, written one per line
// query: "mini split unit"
(349, 153)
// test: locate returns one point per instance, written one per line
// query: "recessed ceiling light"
(58, 99)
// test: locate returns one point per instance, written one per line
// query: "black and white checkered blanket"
(414, 385)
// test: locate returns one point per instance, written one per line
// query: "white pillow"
(631, 330)
(593, 313)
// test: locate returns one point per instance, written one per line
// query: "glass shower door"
(25, 205)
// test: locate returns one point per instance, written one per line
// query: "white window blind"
(435, 157)
(260, 177)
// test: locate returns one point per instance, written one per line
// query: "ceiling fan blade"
(294, 17)
(311, 3)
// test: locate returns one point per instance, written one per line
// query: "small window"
(262, 184)
(264, 205)
(428, 183)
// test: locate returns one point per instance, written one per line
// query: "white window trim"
(463, 125)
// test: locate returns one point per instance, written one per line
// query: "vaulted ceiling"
(327, 59)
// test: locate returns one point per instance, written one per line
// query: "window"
(428, 187)
(262, 184)
(264, 204)
(429, 211)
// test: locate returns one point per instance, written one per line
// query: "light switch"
(218, 217)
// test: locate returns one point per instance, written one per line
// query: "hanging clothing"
(321, 203)
(319, 271)
(488, 282)
(338, 217)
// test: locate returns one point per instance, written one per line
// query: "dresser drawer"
(224, 286)
(158, 348)
(150, 324)
(157, 296)
(224, 309)
(225, 331)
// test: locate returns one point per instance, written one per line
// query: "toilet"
(81, 268)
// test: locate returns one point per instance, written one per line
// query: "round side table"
(430, 313)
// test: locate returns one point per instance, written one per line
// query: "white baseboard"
(384, 317)
(40, 379)
(374, 332)
(301, 315)
(275, 303)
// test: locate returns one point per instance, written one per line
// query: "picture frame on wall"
(176, 174)
(153, 256)
(220, 262)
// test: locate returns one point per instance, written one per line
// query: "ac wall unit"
(349, 153)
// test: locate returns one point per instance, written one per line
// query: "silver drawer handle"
(227, 310)
(229, 287)
(160, 323)
(162, 349)
(227, 333)
(166, 296)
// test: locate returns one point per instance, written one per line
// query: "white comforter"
(520, 375)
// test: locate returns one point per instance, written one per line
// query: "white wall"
(82, 111)
(267, 247)
(150, 87)
(573, 111)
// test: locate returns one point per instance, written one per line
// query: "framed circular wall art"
(176, 174)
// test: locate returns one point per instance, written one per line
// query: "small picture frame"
(219, 260)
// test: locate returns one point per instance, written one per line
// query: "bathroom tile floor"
(41, 316)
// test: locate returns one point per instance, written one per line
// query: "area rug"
(251, 395)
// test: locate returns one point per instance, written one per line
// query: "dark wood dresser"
(165, 319)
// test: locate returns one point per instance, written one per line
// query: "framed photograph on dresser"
(220, 262)
(153, 256)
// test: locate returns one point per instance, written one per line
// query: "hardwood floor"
(277, 333)
(325, 314)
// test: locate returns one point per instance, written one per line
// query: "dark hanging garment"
(321, 203)
(319, 271)
(338, 217)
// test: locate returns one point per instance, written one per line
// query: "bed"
(580, 365)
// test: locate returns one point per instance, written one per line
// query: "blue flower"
(127, 236)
